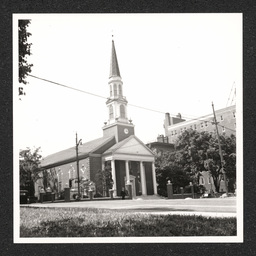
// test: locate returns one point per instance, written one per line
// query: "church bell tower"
(118, 123)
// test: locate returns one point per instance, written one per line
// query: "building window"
(202, 125)
(235, 125)
(223, 128)
(171, 133)
(122, 111)
(111, 113)
(191, 127)
(120, 90)
(195, 126)
(175, 132)
(234, 114)
(221, 118)
(115, 90)
(206, 123)
(71, 172)
(209, 180)
(202, 181)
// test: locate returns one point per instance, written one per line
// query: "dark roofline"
(66, 161)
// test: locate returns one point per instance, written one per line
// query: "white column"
(113, 171)
(143, 179)
(127, 172)
(154, 178)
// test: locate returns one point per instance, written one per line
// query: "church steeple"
(114, 68)
(116, 102)
(118, 122)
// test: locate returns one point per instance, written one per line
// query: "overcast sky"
(176, 63)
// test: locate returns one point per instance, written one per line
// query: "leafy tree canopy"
(29, 162)
(24, 51)
(197, 152)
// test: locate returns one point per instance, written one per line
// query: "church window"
(111, 113)
(120, 90)
(122, 111)
(115, 90)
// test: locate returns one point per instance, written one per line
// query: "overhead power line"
(99, 96)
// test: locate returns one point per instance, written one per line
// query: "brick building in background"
(174, 126)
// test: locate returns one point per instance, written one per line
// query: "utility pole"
(220, 151)
(77, 164)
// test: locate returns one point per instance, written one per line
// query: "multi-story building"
(226, 119)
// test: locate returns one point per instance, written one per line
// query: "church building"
(131, 161)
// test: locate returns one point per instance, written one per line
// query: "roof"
(69, 155)
(114, 68)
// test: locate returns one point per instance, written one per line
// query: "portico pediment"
(130, 146)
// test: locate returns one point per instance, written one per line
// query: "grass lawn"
(76, 222)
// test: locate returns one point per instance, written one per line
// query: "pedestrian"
(123, 193)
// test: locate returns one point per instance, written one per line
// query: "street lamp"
(77, 164)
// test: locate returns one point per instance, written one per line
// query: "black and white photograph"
(128, 128)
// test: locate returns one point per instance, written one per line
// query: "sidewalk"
(204, 207)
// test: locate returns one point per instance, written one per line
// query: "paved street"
(215, 207)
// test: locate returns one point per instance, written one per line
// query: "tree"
(104, 180)
(175, 174)
(196, 152)
(50, 179)
(24, 51)
(29, 168)
(199, 151)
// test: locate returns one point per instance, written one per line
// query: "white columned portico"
(154, 178)
(113, 172)
(127, 172)
(143, 179)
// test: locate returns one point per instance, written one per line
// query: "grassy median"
(75, 222)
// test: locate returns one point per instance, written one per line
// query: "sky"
(176, 63)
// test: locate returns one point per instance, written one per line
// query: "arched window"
(120, 90)
(111, 113)
(115, 90)
(122, 111)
